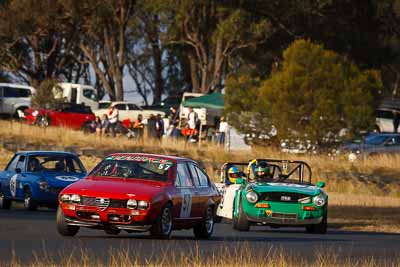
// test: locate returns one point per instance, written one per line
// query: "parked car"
(385, 115)
(15, 99)
(384, 120)
(140, 192)
(77, 94)
(129, 111)
(284, 196)
(36, 178)
(74, 116)
(372, 144)
(166, 104)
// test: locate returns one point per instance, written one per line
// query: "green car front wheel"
(240, 221)
(320, 228)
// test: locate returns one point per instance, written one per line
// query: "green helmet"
(262, 167)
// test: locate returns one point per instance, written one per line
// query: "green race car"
(272, 192)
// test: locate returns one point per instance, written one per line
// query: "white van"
(78, 94)
(184, 111)
(207, 116)
(14, 99)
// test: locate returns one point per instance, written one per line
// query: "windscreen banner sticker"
(143, 159)
(67, 178)
(13, 185)
(288, 185)
(186, 206)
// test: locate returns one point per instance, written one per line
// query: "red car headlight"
(131, 204)
(142, 205)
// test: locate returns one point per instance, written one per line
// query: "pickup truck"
(127, 110)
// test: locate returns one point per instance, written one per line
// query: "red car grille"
(111, 203)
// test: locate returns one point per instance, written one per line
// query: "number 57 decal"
(186, 206)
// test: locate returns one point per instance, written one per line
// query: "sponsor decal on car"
(67, 178)
(13, 185)
(288, 185)
(186, 207)
(141, 159)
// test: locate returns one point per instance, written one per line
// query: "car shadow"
(295, 238)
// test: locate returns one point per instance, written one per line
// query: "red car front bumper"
(94, 217)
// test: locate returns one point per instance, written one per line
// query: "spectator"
(192, 118)
(96, 125)
(173, 123)
(151, 127)
(138, 126)
(396, 121)
(188, 133)
(223, 126)
(159, 126)
(105, 124)
(113, 119)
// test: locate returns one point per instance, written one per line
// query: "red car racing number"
(186, 207)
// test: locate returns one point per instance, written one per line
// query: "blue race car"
(37, 177)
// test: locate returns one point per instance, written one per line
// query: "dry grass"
(362, 194)
(239, 255)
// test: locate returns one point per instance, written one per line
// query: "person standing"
(159, 126)
(396, 120)
(151, 127)
(193, 118)
(223, 126)
(113, 119)
(173, 123)
(138, 126)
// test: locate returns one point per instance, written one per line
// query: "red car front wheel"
(62, 227)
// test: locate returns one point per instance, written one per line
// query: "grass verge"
(236, 255)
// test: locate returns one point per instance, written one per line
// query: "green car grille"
(284, 216)
(287, 197)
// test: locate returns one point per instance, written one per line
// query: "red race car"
(140, 192)
(74, 116)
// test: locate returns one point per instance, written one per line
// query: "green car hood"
(284, 187)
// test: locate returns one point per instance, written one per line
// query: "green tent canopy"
(214, 100)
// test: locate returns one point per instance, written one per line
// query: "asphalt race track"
(33, 234)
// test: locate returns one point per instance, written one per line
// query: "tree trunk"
(193, 73)
(158, 79)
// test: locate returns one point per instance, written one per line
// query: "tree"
(103, 31)
(313, 94)
(146, 53)
(4, 77)
(388, 17)
(210, 33)
(44, 96)
(37, 44)
(317, 92)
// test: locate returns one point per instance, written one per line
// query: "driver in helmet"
(33, 164)
(262, 172)
(233, 174)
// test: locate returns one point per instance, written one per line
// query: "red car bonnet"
(117, 188)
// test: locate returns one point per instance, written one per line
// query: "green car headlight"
(319, 200)
(252, 197)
